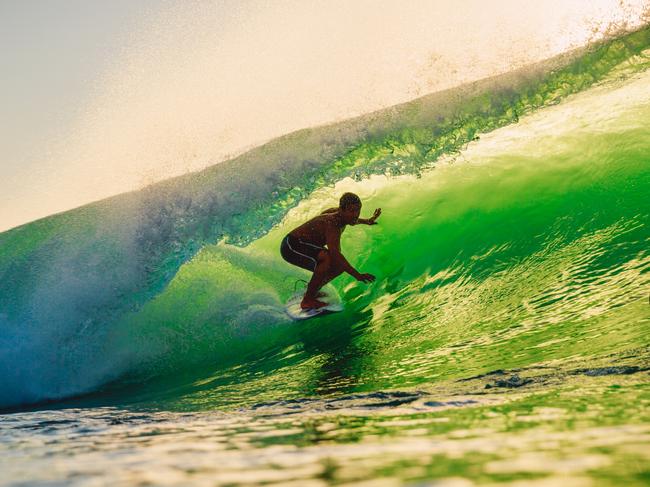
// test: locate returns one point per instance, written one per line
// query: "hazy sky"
(53, 55)
(103, 97)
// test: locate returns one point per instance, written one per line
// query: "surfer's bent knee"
(324, 257)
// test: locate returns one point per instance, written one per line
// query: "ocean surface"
(506, 341)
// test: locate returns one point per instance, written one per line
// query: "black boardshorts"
(300, 253)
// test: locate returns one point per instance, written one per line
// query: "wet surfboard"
(294, 310)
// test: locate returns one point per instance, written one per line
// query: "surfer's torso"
(314, 231)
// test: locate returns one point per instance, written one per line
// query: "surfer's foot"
(311, 303)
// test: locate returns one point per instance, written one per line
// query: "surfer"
(316, 247)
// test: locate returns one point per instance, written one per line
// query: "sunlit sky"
(100, 98)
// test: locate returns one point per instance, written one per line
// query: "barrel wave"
(514, 234)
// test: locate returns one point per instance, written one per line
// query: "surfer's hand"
(366, 278)
(371, 220)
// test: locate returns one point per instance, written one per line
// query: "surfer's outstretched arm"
(339, 262)
(368, 221)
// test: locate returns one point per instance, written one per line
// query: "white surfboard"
(294, 310)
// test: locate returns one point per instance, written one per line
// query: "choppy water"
(567, 432)
(504, 342)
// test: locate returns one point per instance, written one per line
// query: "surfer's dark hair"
(349, 199)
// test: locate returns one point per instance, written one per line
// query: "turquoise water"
(505, 340)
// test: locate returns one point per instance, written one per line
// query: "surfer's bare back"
(316, 246)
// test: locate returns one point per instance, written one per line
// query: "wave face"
(531, 246)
